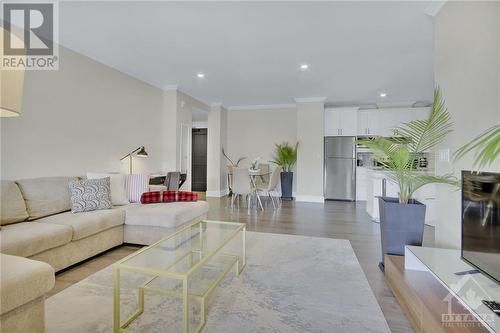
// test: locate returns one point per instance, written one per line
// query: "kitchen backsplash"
(367, 159)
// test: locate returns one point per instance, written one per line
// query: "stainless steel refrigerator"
(340, 168)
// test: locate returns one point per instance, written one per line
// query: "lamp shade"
(142, 152)
(11, 87)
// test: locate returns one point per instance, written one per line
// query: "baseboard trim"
(217, 194)
(310, 198)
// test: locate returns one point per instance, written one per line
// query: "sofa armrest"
(22, 280)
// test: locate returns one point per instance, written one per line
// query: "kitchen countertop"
(381, 173)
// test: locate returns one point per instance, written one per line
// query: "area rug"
(291, 284)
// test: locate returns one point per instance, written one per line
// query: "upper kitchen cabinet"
(341, 121)
(398, 116)
(385, 122)
(368, 122)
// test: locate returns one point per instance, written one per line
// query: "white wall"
(310, 134)
(86, 116)
(254, 133)
(178, 122)
(467, 67)
(83, 117)
(216, 140)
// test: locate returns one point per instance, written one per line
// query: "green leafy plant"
(397, 157)
(486, 147)
(230, 161)
(285, 156)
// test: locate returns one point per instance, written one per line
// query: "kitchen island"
(376, 177)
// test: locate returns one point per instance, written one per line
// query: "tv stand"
(436, 293)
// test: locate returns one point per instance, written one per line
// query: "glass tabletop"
(185, 249)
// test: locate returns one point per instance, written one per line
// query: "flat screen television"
(481, 221)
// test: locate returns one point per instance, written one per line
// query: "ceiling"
(250, 52)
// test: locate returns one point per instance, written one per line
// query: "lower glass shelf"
(200, 282)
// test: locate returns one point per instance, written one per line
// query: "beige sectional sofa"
(36, 223)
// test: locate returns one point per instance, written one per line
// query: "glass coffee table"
(188, 265)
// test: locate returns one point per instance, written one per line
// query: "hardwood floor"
(334, 219)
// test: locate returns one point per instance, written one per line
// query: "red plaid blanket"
(167, 196)
(151, 197)
(187, 196)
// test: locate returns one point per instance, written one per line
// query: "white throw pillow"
(118, 192)
(136, 185)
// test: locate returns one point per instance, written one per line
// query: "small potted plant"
(254, 166)
(402, 219)
(285, 156)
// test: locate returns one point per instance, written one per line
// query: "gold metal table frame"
(185, 295)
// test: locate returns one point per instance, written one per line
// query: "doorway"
(199, 160)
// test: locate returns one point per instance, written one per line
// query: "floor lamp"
(136, 152)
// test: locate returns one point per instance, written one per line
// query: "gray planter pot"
(286, 185)
(400, 225)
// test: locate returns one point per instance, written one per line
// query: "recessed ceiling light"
(383, 95)
(200, 75)
(304, 67)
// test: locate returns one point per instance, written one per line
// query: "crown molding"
(310, 100)
(261, 107)
(171, 87)
(434, 7)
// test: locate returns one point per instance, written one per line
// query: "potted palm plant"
(402, 219)
(486, 147)
(285, 156)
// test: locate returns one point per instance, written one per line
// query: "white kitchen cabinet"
(384, 122)
(368, 122)
(361, 183)
(332, 122)
(389, 119)
(374, 186)
(341, 121)
(419, 113)
(427, 195)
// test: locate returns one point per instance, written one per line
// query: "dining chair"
(230, 178)
(272, 185)
(172, 181)
(242, 185)
(263, 179)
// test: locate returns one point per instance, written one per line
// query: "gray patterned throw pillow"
(90, 194)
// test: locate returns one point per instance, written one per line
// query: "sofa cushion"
(168, 215)
(29, 238)
(23, 280)
(45, 196)
(12, 206)
(88, 223)
(118, 192)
